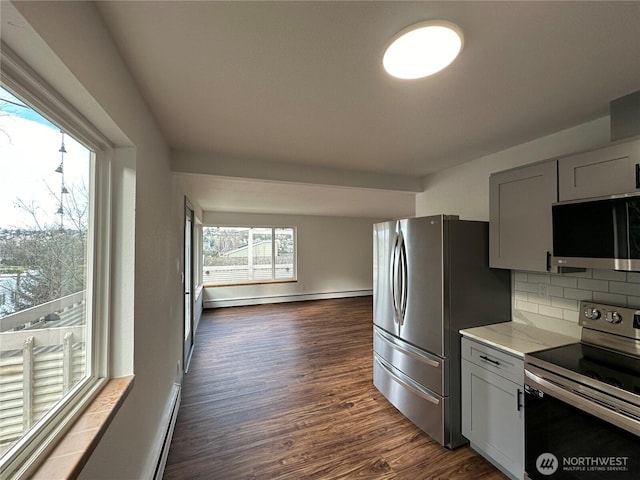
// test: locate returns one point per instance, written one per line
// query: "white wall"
(81, 62)
(464, 190)
(334, 258)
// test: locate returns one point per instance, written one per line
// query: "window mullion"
(273, 253)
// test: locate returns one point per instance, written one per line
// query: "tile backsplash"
(551, 300)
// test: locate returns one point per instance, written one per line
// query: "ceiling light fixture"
(422, 49)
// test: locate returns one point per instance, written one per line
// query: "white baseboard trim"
(238, 302)
(160, 449)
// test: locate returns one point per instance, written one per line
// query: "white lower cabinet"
(492, 405)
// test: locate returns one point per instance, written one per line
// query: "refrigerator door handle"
(393, 281)
(404, 280)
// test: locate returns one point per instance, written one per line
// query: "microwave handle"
(637, 175)
(548, 261)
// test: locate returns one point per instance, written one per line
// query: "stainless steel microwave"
(598, 233)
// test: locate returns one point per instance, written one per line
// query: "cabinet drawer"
(501, 363)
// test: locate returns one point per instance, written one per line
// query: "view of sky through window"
(29, 156)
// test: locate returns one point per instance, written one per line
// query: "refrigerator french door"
(431, 278)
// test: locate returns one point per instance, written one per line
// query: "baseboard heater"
(300, 297)
(166, 443)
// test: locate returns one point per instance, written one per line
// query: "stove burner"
(592, 374)
(605, 367)
(614, 381)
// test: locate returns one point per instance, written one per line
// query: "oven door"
(575, 432)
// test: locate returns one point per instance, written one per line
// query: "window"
(239, 255)
(52, 261)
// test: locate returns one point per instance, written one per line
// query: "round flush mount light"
(422, 49)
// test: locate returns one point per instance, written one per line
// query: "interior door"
(188, 284)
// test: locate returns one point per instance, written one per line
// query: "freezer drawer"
(424, 408)
(426, 369)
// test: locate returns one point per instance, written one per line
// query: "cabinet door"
(520, 202)
(493, 418)
(606, 171)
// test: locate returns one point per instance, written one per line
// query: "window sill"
(71, 454)
(247, 284)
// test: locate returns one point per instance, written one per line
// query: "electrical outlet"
(543, 290)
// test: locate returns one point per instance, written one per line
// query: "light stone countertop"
(517, 338)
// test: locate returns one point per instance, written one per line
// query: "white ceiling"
(301, 84)
(222, 194)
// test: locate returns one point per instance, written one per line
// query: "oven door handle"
(584, 402)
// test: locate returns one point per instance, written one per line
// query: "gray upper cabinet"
(520, 232)
(607, 171)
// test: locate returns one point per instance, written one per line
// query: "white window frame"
(24, 457)
(273, 256)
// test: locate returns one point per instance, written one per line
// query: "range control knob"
(614, 317)
(592, 313)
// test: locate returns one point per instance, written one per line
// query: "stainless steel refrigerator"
(431, 279)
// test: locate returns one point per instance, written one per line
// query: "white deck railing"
(35, 314)
(39, 363)
(219, 274)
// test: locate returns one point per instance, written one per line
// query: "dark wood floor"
(285, 391)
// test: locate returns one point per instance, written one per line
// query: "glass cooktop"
(616, 369)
